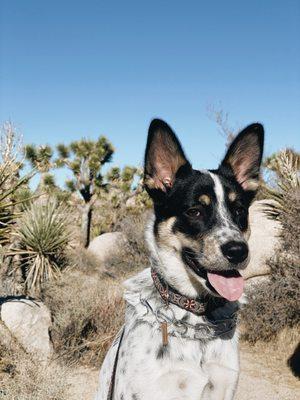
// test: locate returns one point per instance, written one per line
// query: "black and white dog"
(179, 340)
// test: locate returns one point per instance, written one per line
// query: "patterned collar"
(170, 295)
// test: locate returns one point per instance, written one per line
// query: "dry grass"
(275, 305)
(6, 283)
(22, 378)
(83, 260)
(111, 209)
(272, 317)
(134, 256)
(87, 313)
(86, 304)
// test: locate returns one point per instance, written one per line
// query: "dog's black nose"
(235, 252)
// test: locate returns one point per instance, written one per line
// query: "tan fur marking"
(166, 236)
(182, 385)
(252, 184)
(232, 196)
(205, 199)
(174, 240)
(187, 241)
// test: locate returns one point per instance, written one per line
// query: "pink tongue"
(229, 287)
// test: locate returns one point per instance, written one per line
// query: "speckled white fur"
(187, 369)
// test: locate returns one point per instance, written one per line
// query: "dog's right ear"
(163, 159)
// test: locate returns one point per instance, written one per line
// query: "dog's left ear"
(244, 156)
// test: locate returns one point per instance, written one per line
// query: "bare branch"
(220, 117)
(11, 144)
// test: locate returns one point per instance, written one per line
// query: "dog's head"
(200, 229)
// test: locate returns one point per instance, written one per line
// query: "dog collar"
(170, 295)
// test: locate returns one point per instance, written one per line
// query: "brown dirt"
(264, 376)
(83, 384)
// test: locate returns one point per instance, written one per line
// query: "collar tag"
(164, 333)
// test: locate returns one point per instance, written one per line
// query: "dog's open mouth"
(228, 284)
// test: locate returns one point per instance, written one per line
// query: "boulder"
(106, 245)
(263, 241)
(252, 283)
(29, 322)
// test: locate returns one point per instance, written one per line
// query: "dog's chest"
(183, 369)
(145, 362)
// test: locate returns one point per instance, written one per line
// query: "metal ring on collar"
(161, 317)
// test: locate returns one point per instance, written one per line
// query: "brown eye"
(194, 213)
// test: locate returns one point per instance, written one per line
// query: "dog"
(180, 340)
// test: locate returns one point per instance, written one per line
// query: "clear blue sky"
(84, 68)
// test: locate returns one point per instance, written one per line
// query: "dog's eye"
(193, 212)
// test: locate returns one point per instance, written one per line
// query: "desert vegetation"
(44, 253)
(45, 233)
(275, 303)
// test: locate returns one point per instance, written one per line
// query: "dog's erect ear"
(244, 156)
(163, 158)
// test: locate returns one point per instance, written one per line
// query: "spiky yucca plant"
(11, 183)
(43, 234)
(6, 202)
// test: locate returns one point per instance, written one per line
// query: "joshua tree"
(127, 184)
(41, 159)
(85, 158)
(122, 179)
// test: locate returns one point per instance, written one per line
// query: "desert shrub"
(23, 378)
(83, 260)
(113, 207)
(43, 235)
(275, 304)
(14, 194)
(87, 314)
(87, 304)
(11, 185)
(134, 255)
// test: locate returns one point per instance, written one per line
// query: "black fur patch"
(162, 352)
(184, 196)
